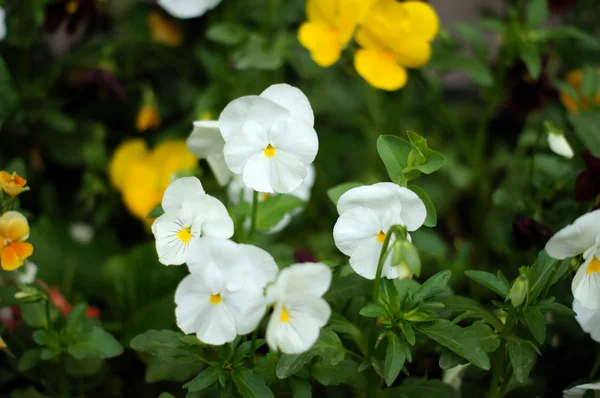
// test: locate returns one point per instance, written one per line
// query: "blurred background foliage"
(123, 69)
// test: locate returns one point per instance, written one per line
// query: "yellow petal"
(424, 22)
(14, 226)
(14, 255)
(170, 157)
(321, 41)
(141, 191)
(12, 184)
(413, 53)
(379, 69)
(164, 30)
(147, 118)
(129, 152)
(324, 11)
(363, 8)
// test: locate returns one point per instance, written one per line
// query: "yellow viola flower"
(12, 184)
(330, 26)
(2, 344)
(575, 105)
(126, 154)
(141, 191)
(147, 118)
(170, 157)
(164, 30)
(14, 230)
(394, 36)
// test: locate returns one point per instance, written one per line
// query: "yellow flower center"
(215, 299)
(269, 151)
(380, 237)
(285, 316)
(185, 235)
(593, 266)
(72, 7)
(266, 195)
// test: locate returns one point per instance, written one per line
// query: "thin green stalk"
(382, 258)
(497, 385)
(595, 368)
(253, 347)
(254, 215)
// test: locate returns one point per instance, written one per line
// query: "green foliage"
(272, 210)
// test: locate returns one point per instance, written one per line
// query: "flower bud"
(519, 290)
(2, 344)
(406, 259)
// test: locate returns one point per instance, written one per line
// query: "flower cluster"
(142, 176)
(392, 35)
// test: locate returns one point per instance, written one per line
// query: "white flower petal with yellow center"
(366, 214)
(223, 296)
(299, 310)
(190, 215)
(581, 237)
(206, 142)
(185, 9)
(580, 390)
(269, 139)
(559, 145)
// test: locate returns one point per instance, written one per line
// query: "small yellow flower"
(2, 344)
(330, 26)
(394, 36)
(147, 118)
(170, 157)
(12, 184)
(14, 230)
(574, 79)
(128, 153)
(141, 192)
(164, 30)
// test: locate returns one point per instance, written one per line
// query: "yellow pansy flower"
(147, 118)
(574, 105)
(12, 184)
(394, 36)
(128, 153)
(330, 26)
(164, 30)
(14, 230)
(142, 191)
(170, 157)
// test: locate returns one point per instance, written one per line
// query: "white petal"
(191, 297)
(257, 173)
(221, 252)
(206, 139)
(170, 248)
(247, 307)
(365, 258)
(560, 146)
(258, 109)
(586, 288)
(29, 273)
(219, 168)
(413, 212)
(303, 191)
(355, 227)
(185, 9)
(251, 140)
(576, 238)
(295, 137)
(254, 267)
(2, 23)
(287, 172)
(580, 390)
(214, 218)
(307, 279)
(280, 226)
(375, 198)
(180, 190)
(588, 319)
(215, 325)
(291, 98)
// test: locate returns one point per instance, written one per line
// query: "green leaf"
(341, 325)
(566, 89)
(83, 367)
(272, 210)
(166, 345)
(349, 286)
(9, 97)
(394, 358)
(569, 32)
(413, 387)
(243, 350)
(489, 340)
(536, 13)
(388, 293)
(97, 343)
(434, 162)
(34, 314)
(539, 273)
(227, 33)
(530, 55)
(301, 388)
(251, 386)
(336, 192)
(394, 152)
(476, 70)
(475, 38)
(522, 358)
(205, 379)
(329, 347)
(29, 359)
(258, 53)
(490, 281)
(374, 311)
(590, 84)
(266, 367)
(536, 323)
(457, 339)
(345, 372)
(166, 395)
(159, 370)
(431, 219)
(471, 307)
(449, 359)
(431, 287)
(556, 308)
(587, 128)
(156, 212)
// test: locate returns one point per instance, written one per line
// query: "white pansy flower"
(366, 214)
(269, 139)
(2, 23)
(206, 142)
(588, 319)
(190, 214)
(237, 192)
(559, 145)
(185, 9)
(299, 310)
(581, 237)
(580, 390)
(223, 296)
(27, 273)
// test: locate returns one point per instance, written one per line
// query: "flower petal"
(287, 172)
(292, 99)
(206, 139)
(252, 139)
(295, 137)
(588, 319)
(183, 189)
(378, 199)
(209, 250)
(171, 248)
(215, 325)
(214, 217)
(191, 297)
(413, 212)
(576, 238)
(586, 287)
(14, 226)
(580, 390)
(219, 168)
(125, 155)
(560, 146)
(257, 173)
(185, 9)
(247, 306)
(253, 267)
(306, 279)
(321, 41)
(251, 108)
(424, 20)
(379, 69)
(412, 52)
(354, 228)
(365, 258)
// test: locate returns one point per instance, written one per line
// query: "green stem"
(254, 215)
(382, 258)
(253, 347)
(595, 368)
(497, 386)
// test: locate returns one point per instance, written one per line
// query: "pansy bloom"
(14, 231)
(12, 184)
(206, 142)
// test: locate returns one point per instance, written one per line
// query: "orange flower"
(13, 184)
(164, 30)
(575, 105)
(14, 230)
(147, 118)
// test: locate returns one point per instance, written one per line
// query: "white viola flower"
(580, 390)
(238, 192)
(269, 139)
(28, 272)
(588, 319)
(299, 310)
(190, 215)
(206, 142)
(2, 23)
(454, 376)
(185, 9)
(366, 214)
(223, 296)
(559, 145)
(581, 237)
